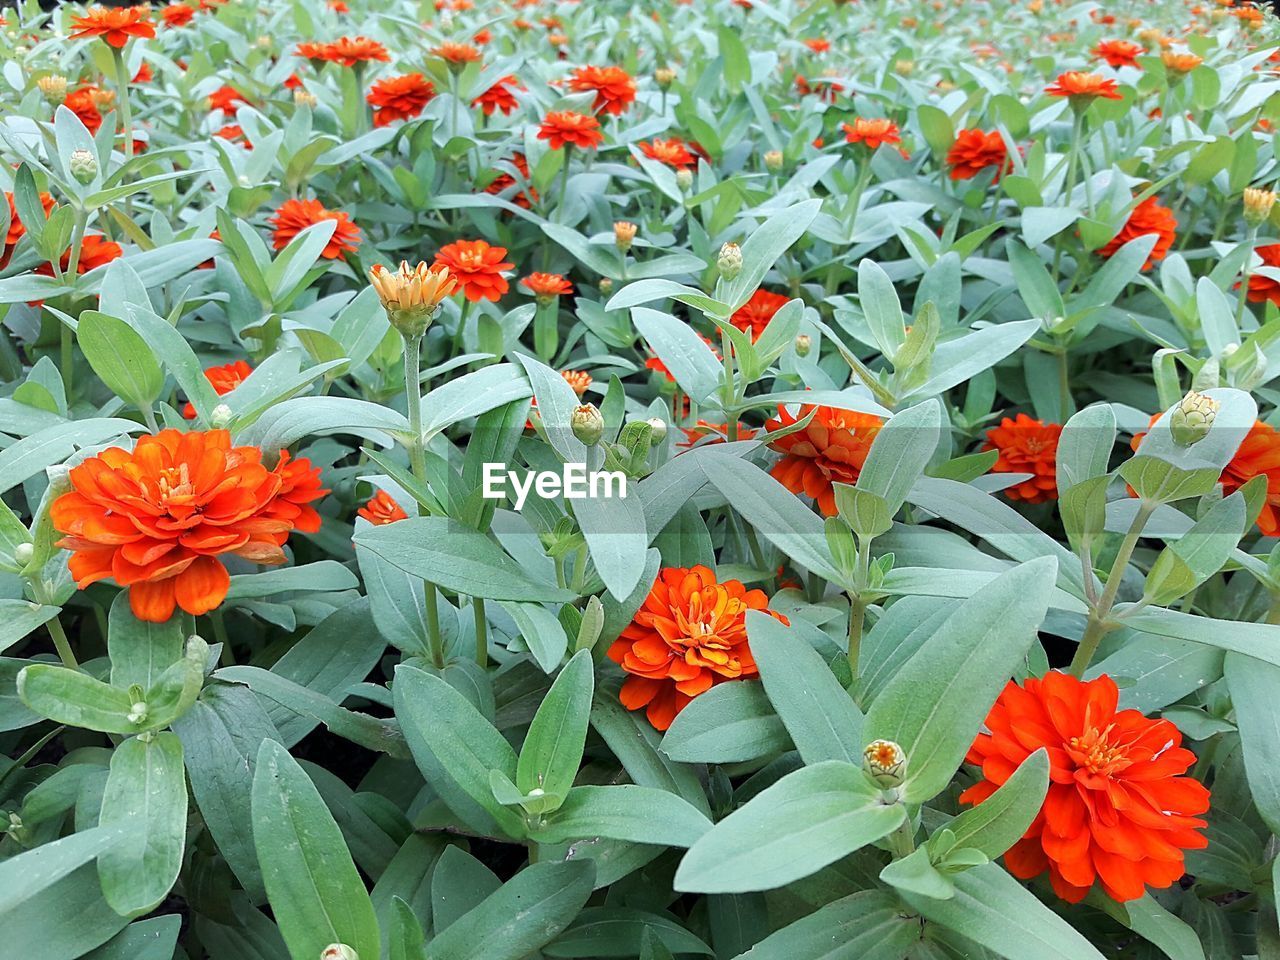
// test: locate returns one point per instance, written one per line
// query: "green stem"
(482, 631)
(418, 464)
(564, 184)
(858, 609)
(220, 635)
(62, 645)
(1073, 158)
(903, 839)
(1244, 276)
(126, 114)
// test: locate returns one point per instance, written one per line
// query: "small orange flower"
(674, 152)
(1118, 53)
(233, 131)
(1260, 288)
(754, 315)
(547, 285)
(566, 126)
(16, 229)
(349, 51)
(224, 379)
(1118, 810)
(225, 99)
(382, 509)
(975, 151)
(1147, 217)
(95, 251)
(177, 15)
(83, 104)
(689, 635)
(827, 90)
(1076, 83)
(1179, 63)
(500, 96)
(1030, 446)
(831, 449)
(156, 518)
(818, 45)
(613, 87)
(399, 98)
(457, 53)
(116, 26)
(294, 216)
(477, 267)
(872, 131)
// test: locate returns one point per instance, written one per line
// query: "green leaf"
(914, 873)
(315, 892)
(936, 703)
(900, 451)
(407, 940)
(76, 699)
(624, 812)
(681, 350)
(865, 926)
(730, 723)
(807, 820)
(1254, 688)
(146, 794)
(881, 307)
(613, 931)
(764, 246)
(999, 821)
(140, 652)
(153, 939)
(121, 358)
(1084, 446)
(552, 750)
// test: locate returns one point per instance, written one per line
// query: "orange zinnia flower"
(177, 15)
(502, 181)
(873, 131)
(233, 131)
(457, 53)
(567, 126)
(1147, 217)
(399, 98)
(1077, 83)
(826, 90)
(689, 635)
(831, 449)
(294, 216)
(1118, 53)
(547, 285)
(81, 102)
(116, 26)
(1179, 63)
(225, 99)
(613, 87)
(1030, 446)
(16, 229)
(1260, 288)
(754, 315)
(974, 151)
(1118, 810)
(156, 518)
(381, 509)
(349, 51)
(704, 433)
(673, 152)
(224, 379)
(818, 45)
(500, 96)
(478, 268)
(95, 251)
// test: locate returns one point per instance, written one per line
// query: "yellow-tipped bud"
(885, 763)
(587, 423)
(1192, 418)
(304, 98)
(1257, 205)
(411, 295)
(773, 161)
(53, 87)
(729, 263)
(624, 232)
(664, 77)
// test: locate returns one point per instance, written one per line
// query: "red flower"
(818, 45)
(224, 379)
(547, 285)
(478, 268)
(872, 131)
(1027, 446)
(1264, 288)
(613, 87)
(1118, 810)
(674, 152)
(504, 180)
(457, 53)
(500, 96)
(95, 251)
(831, 449)
(294, 216)
(225, 99)
(1147, 217)
(81, 102)
(576, 129)
(1077, 83)
(116, 26)
(177, 15)
(399, 98)
(349, 51)
(974, 151)
(754, 315)
(16, 229)
(1118, 53)
(233, 131)
(382, 509)
(824, 91)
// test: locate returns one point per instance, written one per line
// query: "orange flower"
(826, 90)
(312, 51)
(818, 45)
(872, 131)
(613, 87)
(233, 131)
(974, 151)
(831, 449)
(754, 315)
(1027, 446)
(224, 379)
(673, 152)
(457, 53)
(1260, 288)
(95, 251)
(16, 229)
(689, 635)
(1118, 810)
(1118, 53)
(116, 26)
(177, 15)
(225, 99)
(81, 102)
(710, 433)
(381, 509)
(504, 180)
(1179, 63)
(1077, 83)
(294, 216)
(500, 96)
(1147, 217)
(156, 518)
(399, 98)
(349, 51)
(547, 285)
(478, 268)
(566, 126)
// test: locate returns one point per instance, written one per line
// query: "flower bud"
(104, 100)
(23, 553)
(684, 178)
(220, 417)
(885, 763)
(904, 68)
(587, 423)
(729, 262)
(606, 286)
(804, 344)
(53, 88)
(659, 427)
(1257, 205)
(83, 165)
(773, 160)
(338, 951)
(411, 295)
(624, 233)
(664, 77)
(304, 98)
(1192, 418)
(138, 712)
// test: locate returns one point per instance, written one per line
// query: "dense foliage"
(510, 478)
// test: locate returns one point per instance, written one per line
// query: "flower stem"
(418, 464)
(62, 645)
(1250, 239)
(126, 114)
(858, 609)
(482, 631)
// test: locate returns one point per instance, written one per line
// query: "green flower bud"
(83, 165)
(885, 763)
(729, 262)
(1192, 418)
(804, 344)
(659, 427)
(587, 423)
(338, 951)
(773, 161)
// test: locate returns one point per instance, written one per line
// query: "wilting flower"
(1118, 53)
(689, 635)
(1082, 87)
(831, 449)
(117, 26)
(975, 151)
(399, 98)
(872, 131)
(1118, 809)
(566, 126)
(1147, 217)
(754, 315)
(1029, 446)
(294, 216)
(411, 295)
(350, 51)
(500, 96)
(547, 286)
(382, 509)
(613, 87)
(155, 519)
(478, 268)
(224, 379)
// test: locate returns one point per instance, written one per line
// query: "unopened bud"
(1257, 205)
(587, 423)
(606, 286)
(338, 951)
(411, 295)
(304, 98)
(220, 417)
(1192, 418)
(729, 263)
(23, 553)
(684, 178)
(664, 77)
(138, 712)
(83, 165)
(804, 344)
(885, 763)
(624, 232)
(773, 160)
(904, 68)
(59, 479)
(53, 87)
(659, 427)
